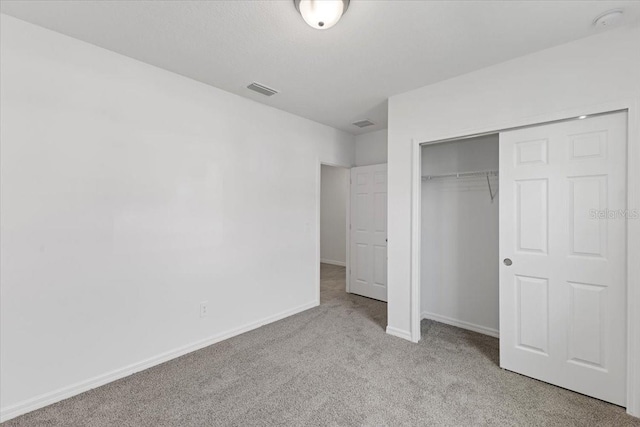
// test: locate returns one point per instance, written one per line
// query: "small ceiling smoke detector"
(264, 90)
(610, 18)
(363, 123)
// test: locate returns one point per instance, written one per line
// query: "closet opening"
(459, 265)
(532, 254)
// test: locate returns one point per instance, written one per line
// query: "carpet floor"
(333, 366)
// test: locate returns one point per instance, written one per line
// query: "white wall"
(459, 256)
(371, 148)
(596, 70)
(333, 215)
(131, 194)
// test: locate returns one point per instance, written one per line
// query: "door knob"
(507, 262)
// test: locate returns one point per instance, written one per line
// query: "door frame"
(319, 164)
(632, 107)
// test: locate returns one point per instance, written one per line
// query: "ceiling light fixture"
(321, 14)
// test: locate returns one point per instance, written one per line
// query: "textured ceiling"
(380, 48)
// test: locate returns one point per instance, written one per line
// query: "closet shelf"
(461, 175)
(471, 174)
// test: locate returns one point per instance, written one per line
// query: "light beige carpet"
(333, 366)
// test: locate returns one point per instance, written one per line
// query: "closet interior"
(459, 265)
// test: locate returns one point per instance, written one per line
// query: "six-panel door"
(368, 257)
(563, 228)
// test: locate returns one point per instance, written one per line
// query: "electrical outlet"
(204, 308)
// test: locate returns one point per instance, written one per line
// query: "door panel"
(588, 237)
(563, 298)
(586, 323)
(533, 313)
(532, 214)
(368, 274)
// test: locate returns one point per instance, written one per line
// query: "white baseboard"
(82, 386)
(461, 324)
(332, 262)
(399, 333)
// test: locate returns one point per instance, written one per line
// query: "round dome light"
(321, 14)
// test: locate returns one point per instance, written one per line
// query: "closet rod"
(462, 174)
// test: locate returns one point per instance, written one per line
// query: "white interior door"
(562, 226)
(368, 257)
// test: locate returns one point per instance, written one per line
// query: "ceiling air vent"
(363, 123)
(257, 87)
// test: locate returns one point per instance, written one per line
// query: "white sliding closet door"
(563, 246)
(368, 258)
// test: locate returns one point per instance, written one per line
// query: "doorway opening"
(352, 240)
(334, 230)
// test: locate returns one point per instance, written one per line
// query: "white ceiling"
(380, 48)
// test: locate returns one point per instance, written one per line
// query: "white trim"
(416, 230)
(332, 262)
(461, 324)
(347, 257)
(632, 105)
(399, 333)
(82, 386)
(348, 231)
(633, 254)
(318, 224)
